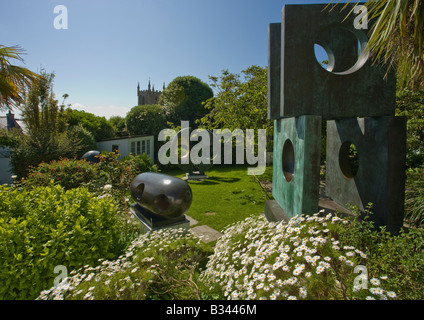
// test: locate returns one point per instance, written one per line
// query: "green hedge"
(45, 227)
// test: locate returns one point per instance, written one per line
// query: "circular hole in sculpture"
(288, 160)
(161, 202)
(341, 50)
(139, 189)
(348, 160)
(322, 57)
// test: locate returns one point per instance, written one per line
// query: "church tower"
(149, 96)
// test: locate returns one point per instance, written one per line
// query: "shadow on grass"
(223, 179)
(215, 180)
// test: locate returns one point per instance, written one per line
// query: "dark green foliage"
(44, 146)
(82, 137)
(146, 120)
(120, 126)
(141, 163)
(184, 99)
(410, 103)
(414, 197)
(9, 138)
(241, 101)
(400, 257)
(98, 126)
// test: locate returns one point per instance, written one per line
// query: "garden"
(67, 232)
(83, 224)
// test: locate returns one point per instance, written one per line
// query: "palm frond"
(13, 79)
(396, 37)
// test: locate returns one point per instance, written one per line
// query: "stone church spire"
(149, 96)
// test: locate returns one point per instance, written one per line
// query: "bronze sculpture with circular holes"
(366, 142)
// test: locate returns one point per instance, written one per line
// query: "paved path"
(204, 232)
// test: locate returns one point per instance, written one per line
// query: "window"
(115, 148)
(133, 148)
(148, 147)
(143, 147)
(138, 147)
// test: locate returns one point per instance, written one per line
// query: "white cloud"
(102, 111)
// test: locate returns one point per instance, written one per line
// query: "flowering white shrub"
(254, 259)
(157, 265)
(301, 259)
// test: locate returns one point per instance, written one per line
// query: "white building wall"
(129, 145)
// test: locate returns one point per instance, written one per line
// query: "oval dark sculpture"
(92, 156)
(161, 194)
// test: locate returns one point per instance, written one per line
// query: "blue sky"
(111, 45)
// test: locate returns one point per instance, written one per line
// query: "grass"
(228, 195)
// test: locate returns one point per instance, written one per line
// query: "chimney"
(10, 120)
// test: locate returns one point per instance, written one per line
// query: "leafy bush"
(400, 257)
(310, 257)
(48, 226)
(44, 146)
(157, 265)
(119, 173)
(141, 163)
(69, 173)
(82, 136)
(410, 103)
(414, 197)
(302, 259)
(72, 173)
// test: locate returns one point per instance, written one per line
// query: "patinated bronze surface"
(163, 195)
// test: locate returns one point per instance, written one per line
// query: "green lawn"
(228, 195)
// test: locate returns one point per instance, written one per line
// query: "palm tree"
(397, 37)
(13, 79)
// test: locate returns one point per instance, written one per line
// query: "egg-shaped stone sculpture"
(91, 156)
(164, 195)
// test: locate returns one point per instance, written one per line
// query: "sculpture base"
(274, 213)
(150, 221)
(196, 175)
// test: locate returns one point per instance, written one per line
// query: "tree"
(241, 101)
(83, 140)
(41, 109)
(98, 126)
(183, 99)
(146, 119)
(47, 136)
(120, 126)
(397, 37)
(13, 79)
